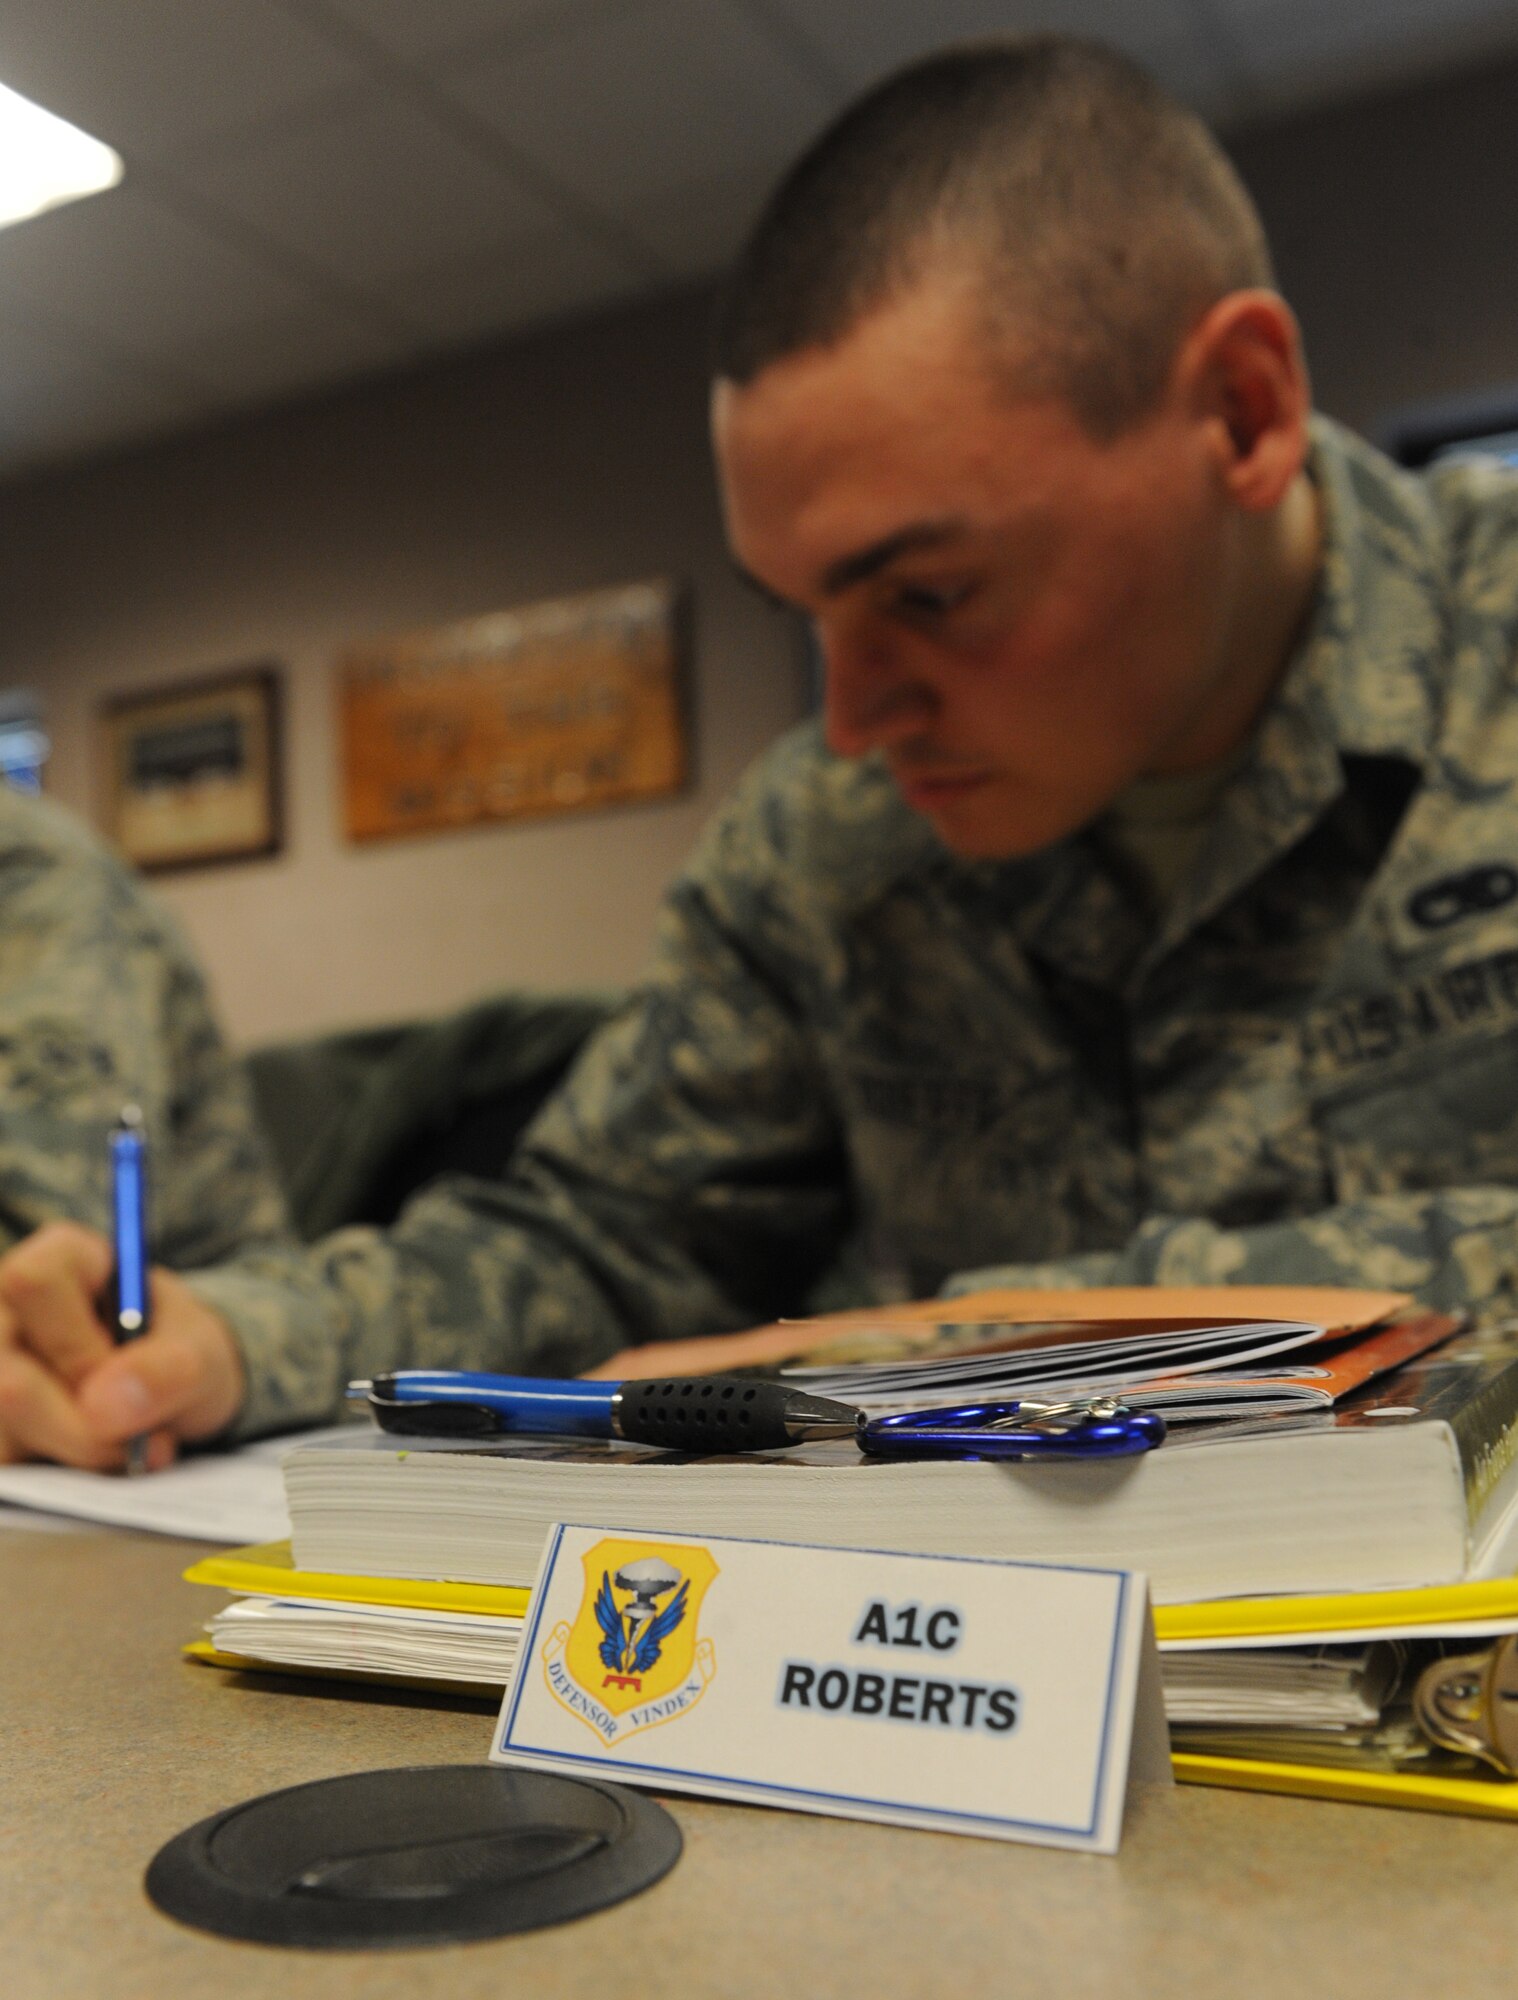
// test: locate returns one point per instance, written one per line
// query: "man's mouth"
(924, 790)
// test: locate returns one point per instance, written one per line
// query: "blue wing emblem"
(610, 1621)
(657, 1630)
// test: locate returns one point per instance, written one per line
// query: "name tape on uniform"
(1008, 1699)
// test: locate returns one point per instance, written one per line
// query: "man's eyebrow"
(867, 562)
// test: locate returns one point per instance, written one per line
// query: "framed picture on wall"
(191, 773)
(574, 705)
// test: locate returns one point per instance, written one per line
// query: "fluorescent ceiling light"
(45, 161)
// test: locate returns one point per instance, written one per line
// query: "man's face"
(1019, 618)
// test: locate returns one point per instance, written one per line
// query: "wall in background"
(570, 461)
(575, 459)
(1395, 231)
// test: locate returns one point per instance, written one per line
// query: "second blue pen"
(699, 1413)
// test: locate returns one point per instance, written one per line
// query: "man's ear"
(1241, 371)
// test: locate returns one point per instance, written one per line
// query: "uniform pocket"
(1447, 1119)
(1415, 1086)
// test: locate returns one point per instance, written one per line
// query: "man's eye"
(928, 600)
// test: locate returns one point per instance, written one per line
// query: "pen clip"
(431, 1417)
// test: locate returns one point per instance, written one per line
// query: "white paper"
(1012, 1700)
(215, 1496)
(16, 1520)
(374, 1638)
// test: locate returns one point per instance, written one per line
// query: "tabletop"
(110, 1744)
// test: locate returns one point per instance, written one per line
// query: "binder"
(1485, 1798)
(268, 1570)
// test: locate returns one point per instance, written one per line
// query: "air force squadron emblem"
(632, 1658)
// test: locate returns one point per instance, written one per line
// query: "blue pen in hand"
(130, 1306)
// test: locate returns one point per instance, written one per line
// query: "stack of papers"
(369, 1639)
(1282, 1687)
(1198, 1375)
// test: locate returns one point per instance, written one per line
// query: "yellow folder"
(1243, 1619)
(267, 1569)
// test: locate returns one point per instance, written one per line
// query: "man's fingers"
(185, 1375)
(149, 1384)
(49, 1284)
(40, 1419)
(67, 1391)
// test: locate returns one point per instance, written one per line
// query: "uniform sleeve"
(1456, 1248)
(101, 1005)
(686, 1178)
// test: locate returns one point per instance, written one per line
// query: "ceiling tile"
(35, 358)
(248, 120)
(127, 267)
(1296, 51)
(696, 227)
(627, 105)
(261, 359)
(516, 283)
(862, 39)
(369, 188)
(152, 76)
(431, 27)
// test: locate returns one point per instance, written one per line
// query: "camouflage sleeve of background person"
(685, 1179)
(1456, 1248)
(101, 1005)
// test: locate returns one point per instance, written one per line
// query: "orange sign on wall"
(565, 706)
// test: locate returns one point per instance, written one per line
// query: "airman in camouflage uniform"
(862, 1064)
(1008, 405)
(101, 1005)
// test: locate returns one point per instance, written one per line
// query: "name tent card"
(1014, 1700)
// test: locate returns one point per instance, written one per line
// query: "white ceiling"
(321, 189)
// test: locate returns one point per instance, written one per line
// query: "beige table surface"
(110, 1745)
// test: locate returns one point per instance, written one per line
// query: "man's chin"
(976, 831)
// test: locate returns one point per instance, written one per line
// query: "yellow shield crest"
(634, 1646)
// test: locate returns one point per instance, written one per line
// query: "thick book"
(1405, 1484)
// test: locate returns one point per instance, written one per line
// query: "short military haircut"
(1099, 218)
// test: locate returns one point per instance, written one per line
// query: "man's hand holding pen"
(69, 1392)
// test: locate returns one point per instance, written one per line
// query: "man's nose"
(871, 698)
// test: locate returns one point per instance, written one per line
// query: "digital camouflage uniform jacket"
(858, 1060)
(101, 1005)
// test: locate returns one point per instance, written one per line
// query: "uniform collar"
(1366, 678)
